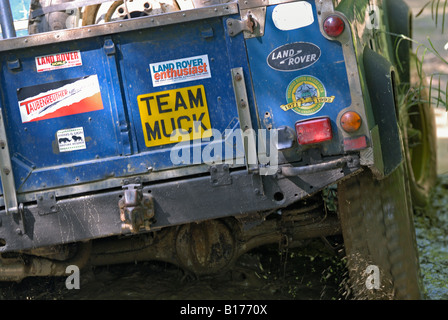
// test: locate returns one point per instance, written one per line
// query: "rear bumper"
(222, 193)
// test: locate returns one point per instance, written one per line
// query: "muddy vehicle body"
(192, 132)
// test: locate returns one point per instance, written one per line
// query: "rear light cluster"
(334, 26)
(314, 131)
(319, 130)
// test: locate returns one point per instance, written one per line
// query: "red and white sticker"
(58, 61)
(180, 70)
(59, 99)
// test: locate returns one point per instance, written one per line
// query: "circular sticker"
(306, 95)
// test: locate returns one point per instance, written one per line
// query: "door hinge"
(46, 203)
(220, 175)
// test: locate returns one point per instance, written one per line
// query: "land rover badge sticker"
(293, 56)
(306, 95)
(58, 61)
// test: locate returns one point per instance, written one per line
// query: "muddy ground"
(262, 274)
(311, 273)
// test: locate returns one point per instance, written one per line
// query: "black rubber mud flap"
(380, 82)
(379, 236)
(400, 23)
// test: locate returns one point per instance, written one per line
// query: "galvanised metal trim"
(239, 86)
(347, 41)
(6, 173)
(248, 4)
(119, 26)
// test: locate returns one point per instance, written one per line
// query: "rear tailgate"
(104, 107)
(300, 74)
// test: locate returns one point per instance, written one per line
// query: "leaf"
(422, 9)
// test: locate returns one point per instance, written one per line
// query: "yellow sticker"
(174, 115)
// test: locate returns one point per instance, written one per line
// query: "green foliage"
(435, 6)
(438, 95)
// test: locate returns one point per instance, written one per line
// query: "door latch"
(252, 23)
(235, 26)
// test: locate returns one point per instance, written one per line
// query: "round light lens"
(351, 121)
(334, 26)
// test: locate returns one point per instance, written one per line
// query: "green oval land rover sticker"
(306, 95)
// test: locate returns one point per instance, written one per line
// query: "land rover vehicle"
(192, 132)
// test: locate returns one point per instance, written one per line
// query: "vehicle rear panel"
(125, 123)
(295, 61)
(89, 112)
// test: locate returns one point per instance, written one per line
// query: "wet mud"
(315, 271)
(311, 273)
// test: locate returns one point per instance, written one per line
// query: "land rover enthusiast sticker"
(59, 99)
(58, 61)
(294, 56)
(71, 139)
(180, 70)
(306, 95)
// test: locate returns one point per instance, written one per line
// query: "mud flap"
(385, 135)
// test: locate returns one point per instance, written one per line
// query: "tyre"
(51, 21)
(417, 123)
(93, 14)
(379, 237)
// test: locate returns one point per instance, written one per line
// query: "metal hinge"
(220, 175)
(252, 23)
(136, 209)
(46, 203)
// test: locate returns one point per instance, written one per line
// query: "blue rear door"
(105, 107)
(297, 73)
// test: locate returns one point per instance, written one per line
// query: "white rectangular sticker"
(294, 15)
(180, 70)
(58, 61)
(71, 139)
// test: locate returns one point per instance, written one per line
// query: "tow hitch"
(136, 208)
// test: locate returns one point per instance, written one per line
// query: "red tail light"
(334, 26)
(314, 131)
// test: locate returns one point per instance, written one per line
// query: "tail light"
(355, 143)
(351, 121)
(334, 26)
(314, 131)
